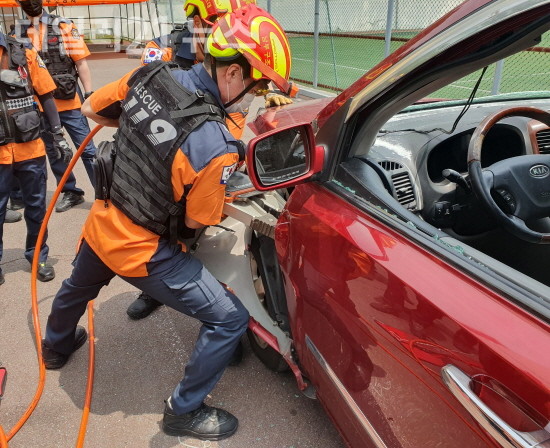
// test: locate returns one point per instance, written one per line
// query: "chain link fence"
(333, 42)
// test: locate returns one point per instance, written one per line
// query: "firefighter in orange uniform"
(174, 156)
(22, 153)
(64, 52)
(186, 48)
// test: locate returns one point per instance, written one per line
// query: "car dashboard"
(414, 148)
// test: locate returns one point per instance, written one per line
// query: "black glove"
(64, 151)
(241, 149)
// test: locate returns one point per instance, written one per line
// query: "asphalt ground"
(137, 362)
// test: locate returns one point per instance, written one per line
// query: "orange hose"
(34, 273)
(90, 382)
(3, 440)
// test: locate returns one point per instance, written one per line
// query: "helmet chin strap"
(243, 93)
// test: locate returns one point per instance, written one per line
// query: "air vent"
(390, 166)
(543, 141)
(402, 185)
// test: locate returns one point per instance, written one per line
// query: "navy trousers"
(182, 283)
(77, 127)
(31, 176)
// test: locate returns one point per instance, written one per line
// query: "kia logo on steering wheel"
(539, 171)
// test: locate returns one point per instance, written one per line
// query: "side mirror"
(3, 377)
(284, 157)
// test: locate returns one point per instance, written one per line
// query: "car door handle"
(460, 386)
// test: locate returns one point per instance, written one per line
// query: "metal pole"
(389, 24)
(316, 43)
(171, 13)
(269, 6)
(158, 17)
(127, 24)
(332, 44)
(150, 20)
(498, 77)
(117, 33)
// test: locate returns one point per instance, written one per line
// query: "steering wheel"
(523, 183)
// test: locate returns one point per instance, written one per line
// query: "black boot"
(204, 423)
(46, 272)
(16, 204)
(142, 306)
(55, 360)
(70, 199)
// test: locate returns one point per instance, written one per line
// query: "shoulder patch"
(75, 33)
(227, 172)
(40, 61)
(151, 55)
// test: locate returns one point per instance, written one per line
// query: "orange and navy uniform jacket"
(74, 44)
(158, 49)
(155, 51)
(206, 159)
(42, 84)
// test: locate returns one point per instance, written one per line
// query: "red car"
(412, 257)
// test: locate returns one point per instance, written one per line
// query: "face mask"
(239, 106)
(33, 8)
(242, 106)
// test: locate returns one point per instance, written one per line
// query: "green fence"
(333, 42)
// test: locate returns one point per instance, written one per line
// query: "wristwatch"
(88, 94)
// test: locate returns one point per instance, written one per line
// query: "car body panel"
(279, 117)
(404, 322)
(380, 299)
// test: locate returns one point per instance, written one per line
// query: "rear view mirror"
(284, 157)
(3, 377)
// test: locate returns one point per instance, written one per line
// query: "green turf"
(342, 60)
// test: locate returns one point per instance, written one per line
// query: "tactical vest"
(158, 114)
(59, 64)
(19, 116)
(175, 38)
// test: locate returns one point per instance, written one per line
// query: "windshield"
(525, 74)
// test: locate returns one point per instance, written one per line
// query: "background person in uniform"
(172, 148)
(22, 152)
(186, 48)
(64, 52)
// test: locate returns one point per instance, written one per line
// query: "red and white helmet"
(256, 35)
(210, 10)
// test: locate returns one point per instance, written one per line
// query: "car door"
(376, 318)
(409, 341)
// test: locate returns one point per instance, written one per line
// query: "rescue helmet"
(210, 10)
(256, 35)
